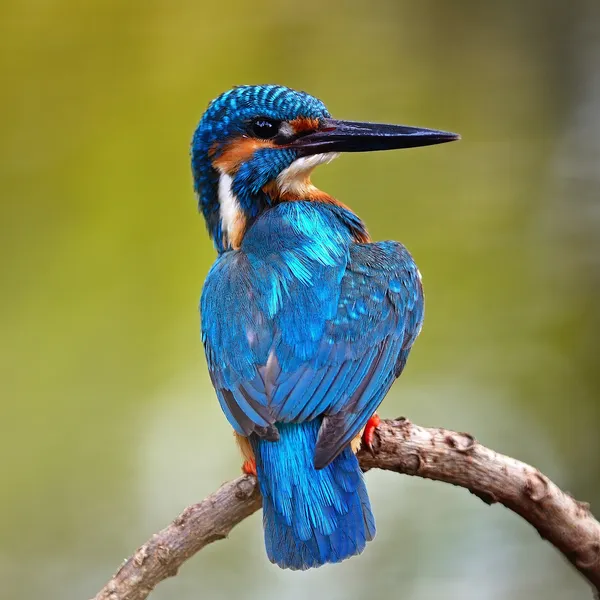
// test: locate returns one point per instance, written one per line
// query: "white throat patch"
(295, 179)
(229, 207)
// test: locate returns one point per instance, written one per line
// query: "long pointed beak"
(352, 136)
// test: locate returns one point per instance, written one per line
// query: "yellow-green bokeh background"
(108, 424)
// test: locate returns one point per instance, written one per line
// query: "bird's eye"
(265, 128)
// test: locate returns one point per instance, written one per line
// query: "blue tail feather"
(310, 517)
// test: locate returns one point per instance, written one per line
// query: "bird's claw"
(249, 467)
(369, 432)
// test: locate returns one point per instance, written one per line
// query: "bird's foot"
(369, 432)
(249, 467)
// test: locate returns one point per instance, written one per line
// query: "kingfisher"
(306, 322)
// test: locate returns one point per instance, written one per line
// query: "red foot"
(370, 427)
(249, 467)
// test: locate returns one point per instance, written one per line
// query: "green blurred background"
(109, 426)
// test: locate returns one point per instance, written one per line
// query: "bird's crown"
(235, 111)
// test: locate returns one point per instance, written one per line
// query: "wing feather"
(302, 363)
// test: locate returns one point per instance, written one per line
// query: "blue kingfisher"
(306, 322)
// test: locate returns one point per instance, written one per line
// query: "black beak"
(351, 136)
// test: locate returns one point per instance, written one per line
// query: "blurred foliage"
(109, 426)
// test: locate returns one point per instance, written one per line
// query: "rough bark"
(400, 446)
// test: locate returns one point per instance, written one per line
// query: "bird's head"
(256, 145)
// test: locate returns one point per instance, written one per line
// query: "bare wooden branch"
(400, 446)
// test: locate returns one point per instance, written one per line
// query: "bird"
(306, 322)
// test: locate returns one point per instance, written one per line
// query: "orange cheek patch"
(236, 152)
(304, 125)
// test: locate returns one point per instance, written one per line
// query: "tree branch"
(400, 446)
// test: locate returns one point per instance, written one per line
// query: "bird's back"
(305, 331)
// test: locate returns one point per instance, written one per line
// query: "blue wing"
(291, 338)
(379, 317)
